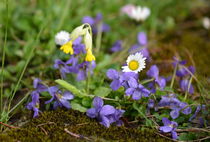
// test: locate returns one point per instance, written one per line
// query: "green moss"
(50, 127)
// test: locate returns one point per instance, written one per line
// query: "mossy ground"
(51, 124)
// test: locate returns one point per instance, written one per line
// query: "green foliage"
(102, 91)
(77, 106)
(71, 88)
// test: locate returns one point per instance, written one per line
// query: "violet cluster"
(73, 65)
(128, 80)
(169, 126)
(117, 46)
(96, 23)
(61, 99)
(198, 115)
(153, 73)
(184, 73)
(176, 106)
(105, 114)
(35, 103)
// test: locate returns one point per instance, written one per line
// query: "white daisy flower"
(206, 23)
(135, 63)
(62, 37)
(140, 13)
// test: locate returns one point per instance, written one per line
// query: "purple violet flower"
(62, 66)
(84, 69)
(60, 98)
(73, 64)
(151, 103)
(182, 72)
(105, 114)
(39, 86)
(141, 46)
(178, 62)
(117, 46)
(120, 79)
(175, 105)
(168, 101)
(198, 109)
(169, 126)
(34, 104)
(184, 86)
(126, 76)
(139, 49)
(153, 72)
(94, 23)
(78, 46)
(183, 107)
(136, 90)
(142, 38)
(115, 77)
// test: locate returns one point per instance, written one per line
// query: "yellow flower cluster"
(85, 31)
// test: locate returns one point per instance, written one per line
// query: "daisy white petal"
(62, 38)
(135, 63)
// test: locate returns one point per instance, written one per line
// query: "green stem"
(98, 38)
(188, 88)
(64, 13)
(24, 69)
(199, 84)
(3, 60)
(87, 82)
(19, 103)
(173, 77)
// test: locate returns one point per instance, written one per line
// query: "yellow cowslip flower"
(83, 30)
(67, 48)
(89, 57)
(88, 43)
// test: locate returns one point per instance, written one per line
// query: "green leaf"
(102, 91)
(77, 106)
(86, 102)
(71, 88)
(169, 89)
(160, 93)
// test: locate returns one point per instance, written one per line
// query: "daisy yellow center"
(133, 65)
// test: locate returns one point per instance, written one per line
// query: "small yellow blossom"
(89, 57)
(67, 48)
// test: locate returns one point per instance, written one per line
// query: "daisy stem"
(98, 37)
(147, 81)
(173, 77)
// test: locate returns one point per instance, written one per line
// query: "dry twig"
(76, 135)
(13, 127)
